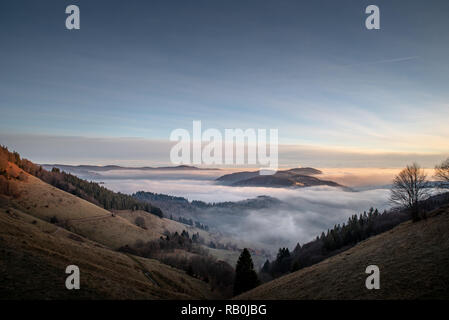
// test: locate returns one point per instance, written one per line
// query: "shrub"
(140, 222)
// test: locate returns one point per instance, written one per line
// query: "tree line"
(192, 223)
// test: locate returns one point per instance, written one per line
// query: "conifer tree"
(245, 276)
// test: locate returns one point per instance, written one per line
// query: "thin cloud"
(370, 63)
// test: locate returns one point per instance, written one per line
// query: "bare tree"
(442, 172)
(409, 188)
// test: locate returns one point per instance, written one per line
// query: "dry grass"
(34, 255)
(413, 259)
(157, 226)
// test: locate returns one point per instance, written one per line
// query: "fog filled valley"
(274, 218)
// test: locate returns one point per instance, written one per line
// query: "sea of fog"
(304, 213)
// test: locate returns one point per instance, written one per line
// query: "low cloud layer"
(302, 215)
(307, 213)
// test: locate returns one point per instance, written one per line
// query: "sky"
(113, 91)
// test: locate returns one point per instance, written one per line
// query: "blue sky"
(141, 69)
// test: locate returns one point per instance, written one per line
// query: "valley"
(156, 246)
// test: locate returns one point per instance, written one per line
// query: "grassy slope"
(44, 201)
(34, 253)
(413, 259)
(158, 225)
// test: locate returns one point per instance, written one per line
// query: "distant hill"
(182, 207)
(297, 177)
(413, 259)
(84, 168)
(161, 199)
